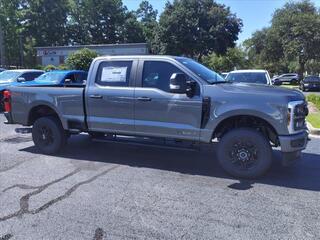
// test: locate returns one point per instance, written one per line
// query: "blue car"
(58, 78)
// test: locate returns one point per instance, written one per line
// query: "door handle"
(144, 99)
(96, 96)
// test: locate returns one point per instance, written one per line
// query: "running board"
(151, 142)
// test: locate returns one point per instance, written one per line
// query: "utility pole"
(2, 48)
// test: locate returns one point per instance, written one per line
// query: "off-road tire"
(48, 135)
(255, 145)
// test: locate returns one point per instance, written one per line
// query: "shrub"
(81, 59)
(49, 68)
(315, 99)
(63, 67)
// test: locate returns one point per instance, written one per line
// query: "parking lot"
(110, 191)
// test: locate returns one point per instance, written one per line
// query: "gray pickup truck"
(170, 98)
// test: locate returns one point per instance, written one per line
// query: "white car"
(250, 76)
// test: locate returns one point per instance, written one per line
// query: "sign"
(114, 74)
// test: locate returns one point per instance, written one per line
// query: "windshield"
(247, 77)
(53, 77)
(8, 76)
(202, 71)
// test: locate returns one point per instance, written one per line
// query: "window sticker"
(114, 74)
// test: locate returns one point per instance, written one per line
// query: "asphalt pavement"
(97, 191)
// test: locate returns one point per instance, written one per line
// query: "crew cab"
(170, 98)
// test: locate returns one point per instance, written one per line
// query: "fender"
(215, 120)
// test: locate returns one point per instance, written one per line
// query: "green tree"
(265, 51)
(235, 58)
(297, 26)
(81, 59)
(291, 43)
(102, 22)
(197, 27)
(45, 21)
(148, 18)
(10, 23)
(132, 31)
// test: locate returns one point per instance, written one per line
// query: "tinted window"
(114, 73)
(80, 77)
(71, 78)
(247, 77)
(30, 76)
(157, 74)
(202, 71)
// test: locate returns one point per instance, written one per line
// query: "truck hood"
(259, 90)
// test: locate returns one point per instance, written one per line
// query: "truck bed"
(67, 102)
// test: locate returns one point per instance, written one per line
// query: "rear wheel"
(244, 153)
(48, 135)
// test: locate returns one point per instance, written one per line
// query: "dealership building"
(57, 55)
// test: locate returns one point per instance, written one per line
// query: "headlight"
(297, 111)
(306, 84)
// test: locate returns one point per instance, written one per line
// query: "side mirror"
(21, 79)
(178, 83)
(67, 81)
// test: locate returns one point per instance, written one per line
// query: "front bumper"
(292, 145)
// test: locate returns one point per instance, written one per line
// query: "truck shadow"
(304, 175)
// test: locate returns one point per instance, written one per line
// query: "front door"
(110, 98)
(160, 113)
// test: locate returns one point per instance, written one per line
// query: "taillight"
(7, 101)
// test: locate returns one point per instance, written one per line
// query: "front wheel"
(48, 135)
(244, 153)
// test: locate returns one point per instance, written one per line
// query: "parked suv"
(291, 78)
(310, 83)
(172, 99)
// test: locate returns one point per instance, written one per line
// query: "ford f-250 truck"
(172, 98)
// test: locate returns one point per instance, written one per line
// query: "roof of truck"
(138, 56)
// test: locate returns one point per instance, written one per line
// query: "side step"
(151, 142)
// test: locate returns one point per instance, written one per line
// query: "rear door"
(160, 113)
(110, 96)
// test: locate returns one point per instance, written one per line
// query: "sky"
(255, 14)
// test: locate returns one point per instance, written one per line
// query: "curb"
(312, 130)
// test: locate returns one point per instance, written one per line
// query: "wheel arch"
(259, 123)
(42, 110)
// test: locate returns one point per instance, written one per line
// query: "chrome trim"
(291, 106)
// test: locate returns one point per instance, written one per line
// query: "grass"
(315, 99)
(314, 119)
(290, 86)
